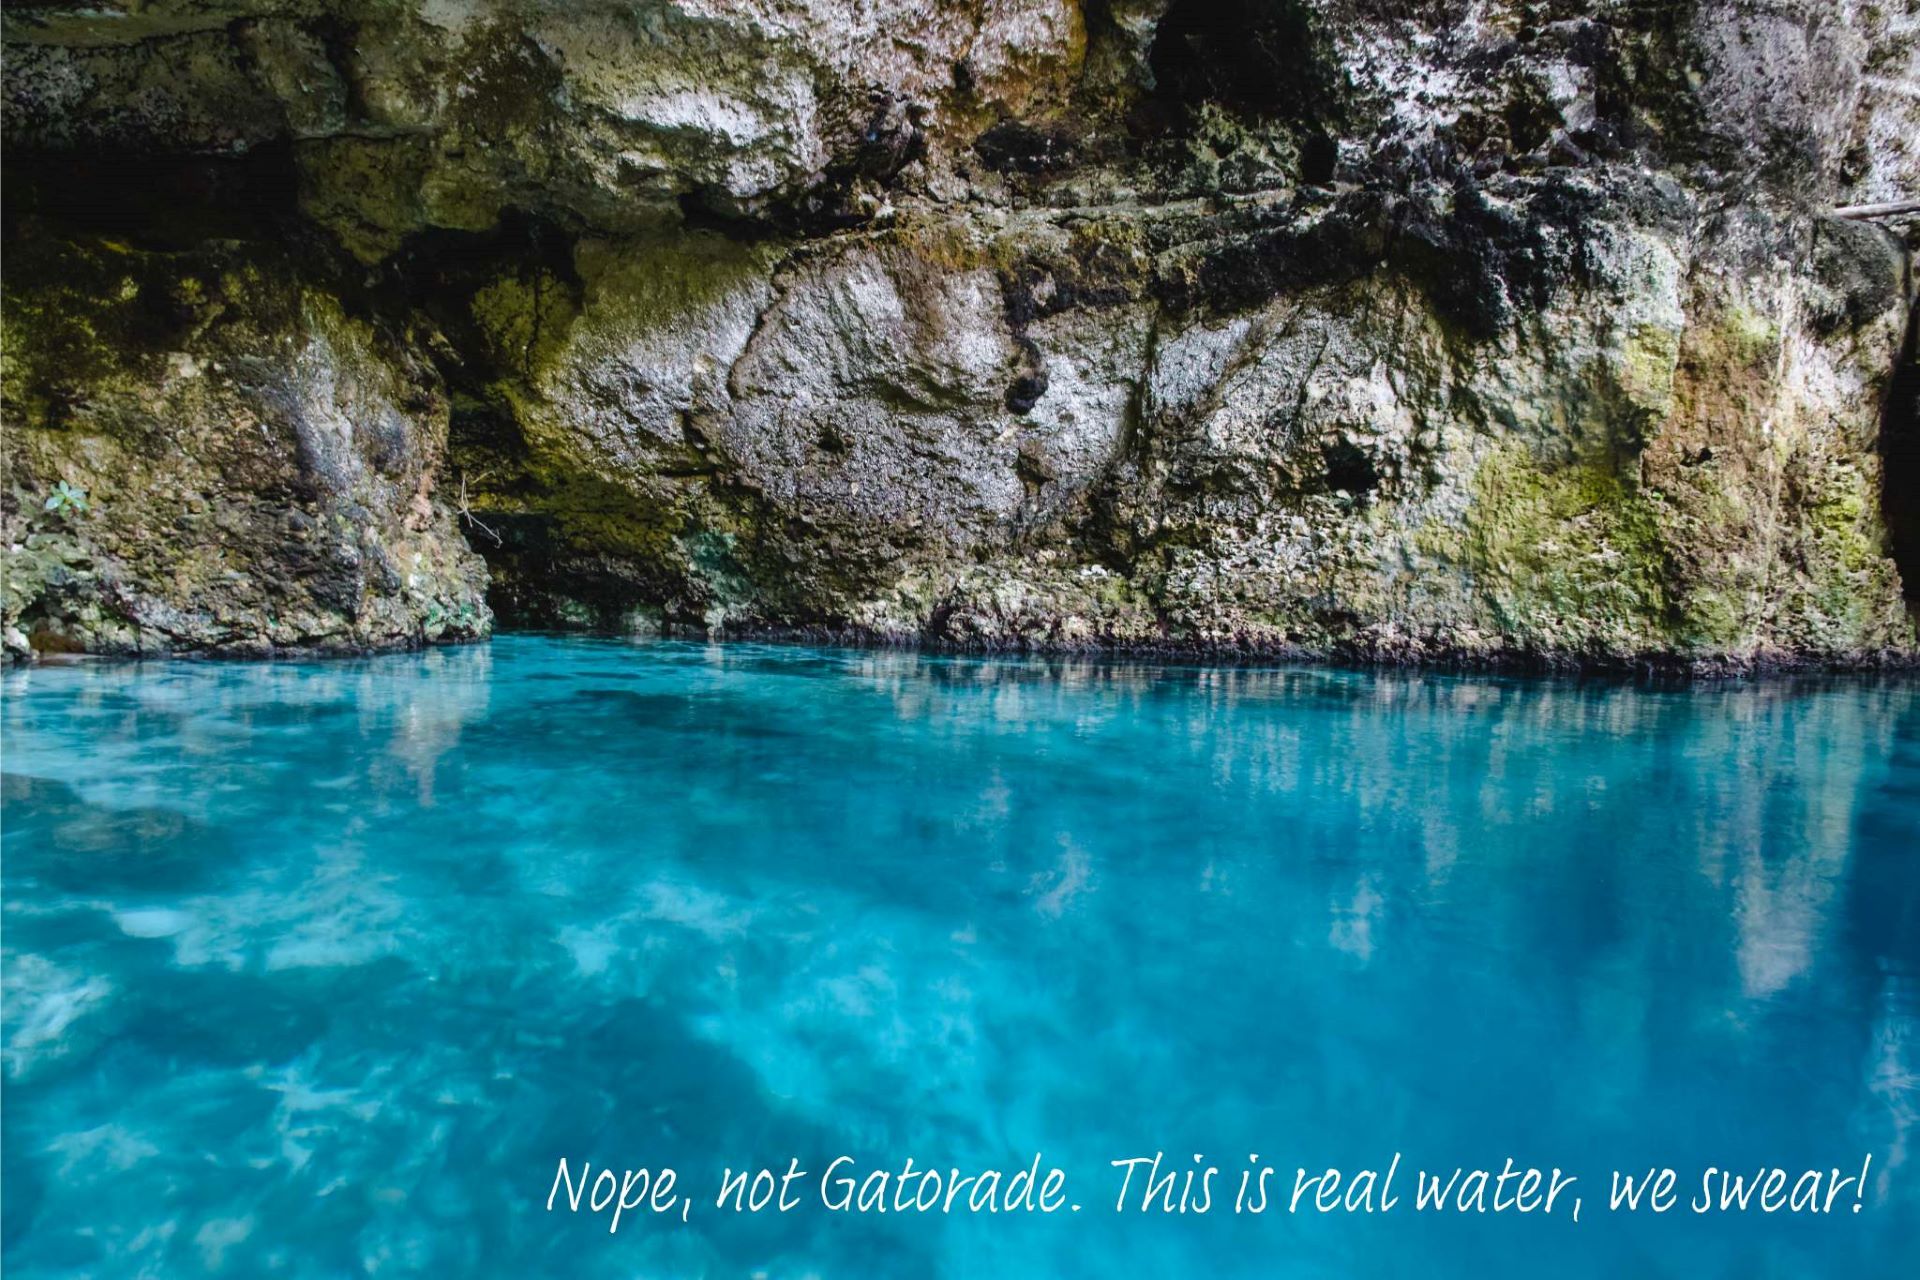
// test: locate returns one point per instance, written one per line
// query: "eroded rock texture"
(1407, 329)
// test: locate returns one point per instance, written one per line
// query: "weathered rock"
(1506, 330)
(253, 475)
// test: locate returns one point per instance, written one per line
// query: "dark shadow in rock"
(153, 201)
(1349, 468)
(1014, 146)
(1900, 463)
(1263, 57)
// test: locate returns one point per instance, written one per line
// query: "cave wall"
(1389, 329)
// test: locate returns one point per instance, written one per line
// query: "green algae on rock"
(260, 476)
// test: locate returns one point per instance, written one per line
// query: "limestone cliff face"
(1405, 329)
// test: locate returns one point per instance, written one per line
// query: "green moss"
(656, 285)
(523, 320)
(90, 315)
(366, 190)
(66, 334)
(1838, 518)
(1115, 591)
(40, 560)
(1649, 357)
(1742, 337)
(946, 244)
(1848, 576)
(508, 83)
(594, 516)
(1564, 557)
(1711, 622)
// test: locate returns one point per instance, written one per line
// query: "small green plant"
(67, 500)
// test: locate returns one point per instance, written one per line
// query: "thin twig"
(1891, 208)
(466, 512)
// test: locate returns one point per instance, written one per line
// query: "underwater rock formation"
(1455, 330)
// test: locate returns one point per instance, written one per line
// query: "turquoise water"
(316, 970)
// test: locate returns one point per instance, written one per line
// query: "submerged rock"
(1493, 331)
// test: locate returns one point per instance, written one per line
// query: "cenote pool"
(316, 969)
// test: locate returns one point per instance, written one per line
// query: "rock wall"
(1483, 330)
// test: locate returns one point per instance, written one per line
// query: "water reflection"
(315, 968)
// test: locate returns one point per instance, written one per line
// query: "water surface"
(315, 969)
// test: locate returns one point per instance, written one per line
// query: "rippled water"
(315, 970)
